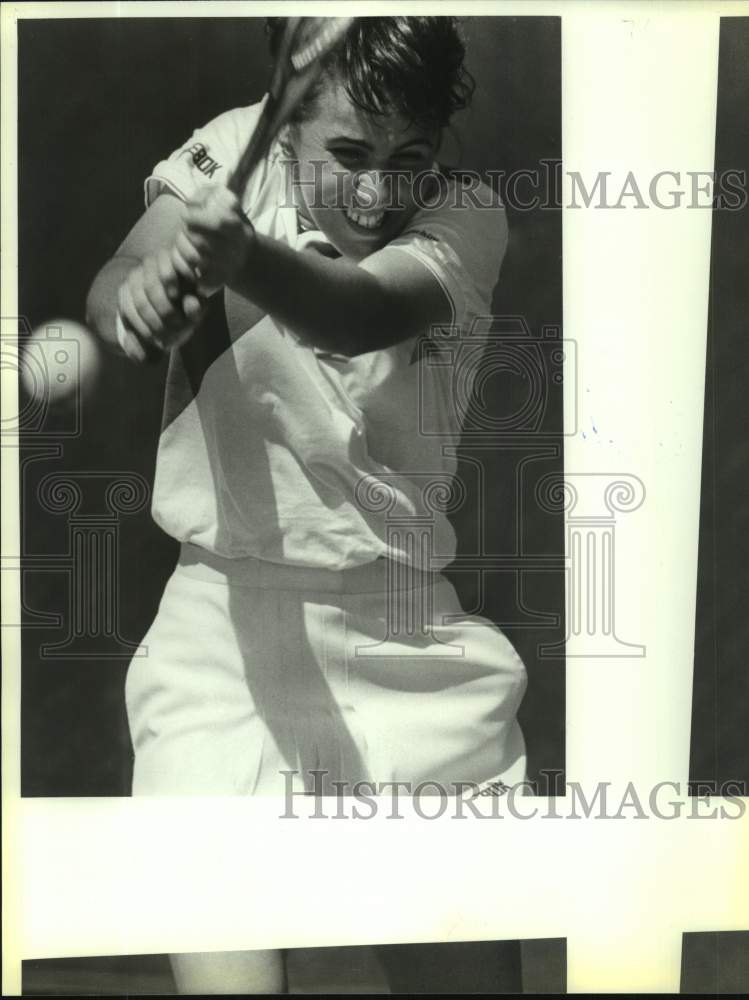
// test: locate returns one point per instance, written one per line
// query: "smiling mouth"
(367, 222)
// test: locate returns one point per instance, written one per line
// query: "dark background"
(347, 970)
(714, 963)
(720, 712)
(100, 102)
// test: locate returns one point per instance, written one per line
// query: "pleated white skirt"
(260, 678)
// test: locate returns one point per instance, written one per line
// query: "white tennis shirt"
(273, 449)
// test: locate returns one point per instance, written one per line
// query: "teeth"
(367, 221)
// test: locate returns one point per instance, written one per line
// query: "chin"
(355, 241)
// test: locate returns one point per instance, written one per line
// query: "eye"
(349, 156)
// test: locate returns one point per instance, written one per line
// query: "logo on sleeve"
(495, 787)
(205, 163)
(429, 236)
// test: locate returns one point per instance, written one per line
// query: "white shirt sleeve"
(462, 243)
(462, 240)
(208, 156)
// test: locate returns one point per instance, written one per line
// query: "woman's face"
(354, 173)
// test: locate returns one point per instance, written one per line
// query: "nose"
(371, 190)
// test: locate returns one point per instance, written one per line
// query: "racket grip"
(154, 353)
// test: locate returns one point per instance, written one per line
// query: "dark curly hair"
(409, 66)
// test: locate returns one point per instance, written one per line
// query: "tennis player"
(307, 638)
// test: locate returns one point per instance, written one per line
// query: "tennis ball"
(60, 363)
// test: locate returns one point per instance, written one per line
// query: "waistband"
(374, 577)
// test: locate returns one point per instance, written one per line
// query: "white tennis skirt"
(259, 678)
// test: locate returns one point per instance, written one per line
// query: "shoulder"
(459, 212)
(459, 231)
(229, 130)
(209, 155)
(242, 119)
(461, 201)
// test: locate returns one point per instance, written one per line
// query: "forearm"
(332, 304)
(149, 240)
(102, 299)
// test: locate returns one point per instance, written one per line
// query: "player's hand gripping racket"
(304, 44)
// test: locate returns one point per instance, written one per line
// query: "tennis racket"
(304, 44)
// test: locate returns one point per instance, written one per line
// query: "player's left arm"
(334, 304)
(341, 306)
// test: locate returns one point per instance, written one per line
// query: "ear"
(286, 141)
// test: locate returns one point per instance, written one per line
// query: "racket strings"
(320, 37)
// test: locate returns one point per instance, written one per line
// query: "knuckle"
(177, 261)
(166, 268)
(148, 271)
(138, 297)
(186, 247)
(163, 308)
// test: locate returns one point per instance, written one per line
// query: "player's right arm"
(140, 285)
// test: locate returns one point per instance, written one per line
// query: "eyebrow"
(367, 145)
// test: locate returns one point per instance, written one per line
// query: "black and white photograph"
(277, 566)
(204, 470)
(374, 498)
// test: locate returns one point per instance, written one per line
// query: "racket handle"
(154, 353)
(251, 156)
